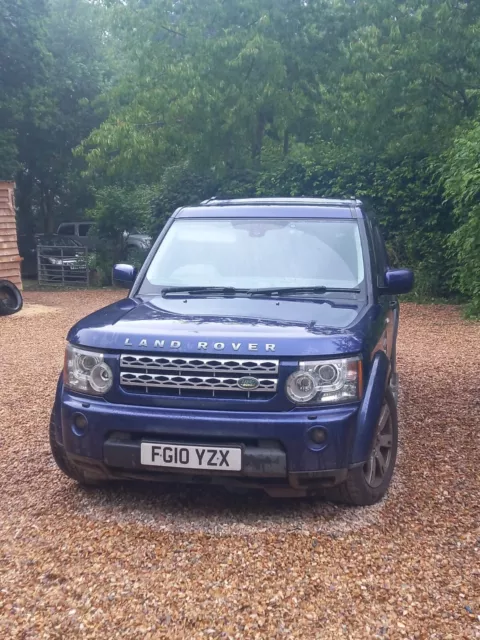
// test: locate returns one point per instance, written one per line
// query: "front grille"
(208, 377)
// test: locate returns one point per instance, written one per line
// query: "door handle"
(393, 304)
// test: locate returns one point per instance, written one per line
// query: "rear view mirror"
(398, 281)
(124, 275)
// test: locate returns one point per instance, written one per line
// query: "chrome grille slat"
(205, 375)
(245, 366)
(130, 378)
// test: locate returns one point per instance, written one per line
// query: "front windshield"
(258, 253)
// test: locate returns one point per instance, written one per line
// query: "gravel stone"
(152, 562)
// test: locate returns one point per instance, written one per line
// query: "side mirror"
(398, 281)
(124, 275)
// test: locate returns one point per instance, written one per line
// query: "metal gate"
(62, 266)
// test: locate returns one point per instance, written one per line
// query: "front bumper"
(278, 448)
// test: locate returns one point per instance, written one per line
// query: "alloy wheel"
(381, 456)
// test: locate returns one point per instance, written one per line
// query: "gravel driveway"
(161, 562)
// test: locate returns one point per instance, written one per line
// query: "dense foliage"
(182, 100)
(52, 68)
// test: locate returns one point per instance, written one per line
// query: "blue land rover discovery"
(256, 348)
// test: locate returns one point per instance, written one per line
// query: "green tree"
(320, 98)
(23, 61)
(217, 83)
(177, 101)
(49, 178)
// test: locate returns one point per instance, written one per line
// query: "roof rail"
(330, 202)
(209, 201)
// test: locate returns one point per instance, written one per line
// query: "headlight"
(325, 381)
(85, 371)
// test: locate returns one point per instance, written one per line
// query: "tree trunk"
(46, 209)
(23, 200)
(286, 142)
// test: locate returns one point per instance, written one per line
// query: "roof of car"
(54, 240)
(272, 208)
(76, 222)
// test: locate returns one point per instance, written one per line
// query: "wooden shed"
(9, 257)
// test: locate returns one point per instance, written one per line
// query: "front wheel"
(368, 483)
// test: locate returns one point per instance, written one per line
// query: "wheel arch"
(370, 408)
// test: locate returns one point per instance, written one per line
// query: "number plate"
(191, 456)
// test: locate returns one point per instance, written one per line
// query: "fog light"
(318, 435)
(80, 424)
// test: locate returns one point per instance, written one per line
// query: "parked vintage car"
(82, 232)
(256, 348)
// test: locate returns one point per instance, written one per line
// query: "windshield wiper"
(233, 291)
(191, 291)
(273, 291)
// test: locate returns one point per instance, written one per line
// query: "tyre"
(64, 464)
(11, 300)
(367, 484)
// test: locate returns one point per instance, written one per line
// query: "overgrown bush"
(100, 268)
(405, 196)
(180, 186)
(118, 211)
(461, 173)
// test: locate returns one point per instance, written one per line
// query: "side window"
(84, 228)
(66, 230)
